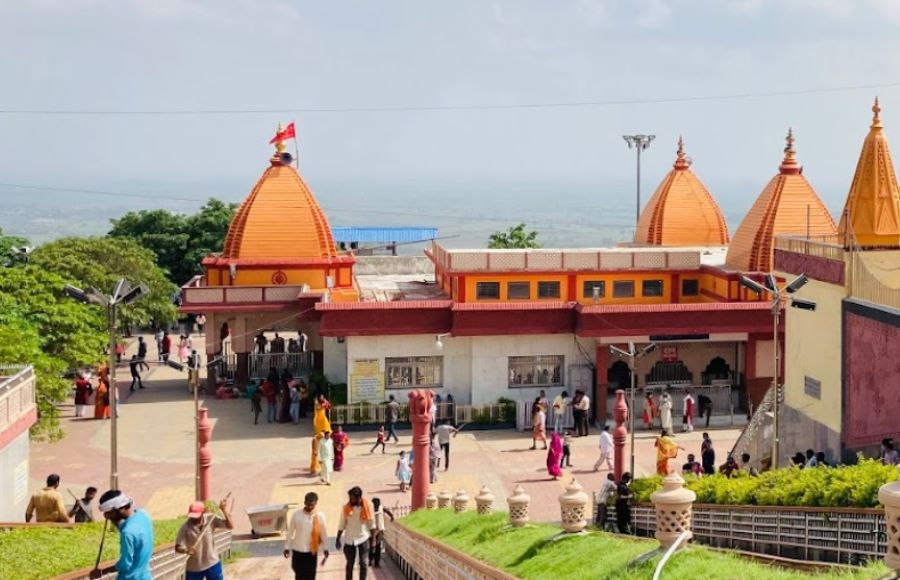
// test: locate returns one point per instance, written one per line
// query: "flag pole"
(296, 148)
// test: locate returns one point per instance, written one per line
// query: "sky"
(300, 57)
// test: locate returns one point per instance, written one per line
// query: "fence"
(865, 285)
(829, 246)
(376, 414)
(17, 394)
(844, 535)
(297, 363)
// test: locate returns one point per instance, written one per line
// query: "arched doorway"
(618, 376)
(717, 369)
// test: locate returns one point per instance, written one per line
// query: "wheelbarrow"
(268, 519)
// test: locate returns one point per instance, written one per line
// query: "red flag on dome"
(285, 134)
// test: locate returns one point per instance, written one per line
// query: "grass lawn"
(527, 553)
(31, 554)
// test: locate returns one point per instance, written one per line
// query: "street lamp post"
(632, 354)
(124, 293)
(639, 142)
(770, 287)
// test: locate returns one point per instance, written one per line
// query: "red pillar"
(204, 454)
(420, 417)
(620, 435)
(601, 392)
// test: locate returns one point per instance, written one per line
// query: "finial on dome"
(789, 163)
(876, 117)
(681, 159)
(279, 145)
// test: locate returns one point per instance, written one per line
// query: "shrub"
(844, 486)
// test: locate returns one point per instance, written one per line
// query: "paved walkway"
(269, 463)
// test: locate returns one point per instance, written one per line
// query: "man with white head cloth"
(135, 536)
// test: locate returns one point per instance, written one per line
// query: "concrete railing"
(300, 364)
(17, 393)
(866, 286)
(195, 293)
(829, 247)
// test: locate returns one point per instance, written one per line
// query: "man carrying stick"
(135, 537)
(195, 538)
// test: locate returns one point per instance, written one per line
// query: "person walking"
(134, 365)
(193, 363)
(357, 522)
(295, 404)
(403, 471)
(320, 415)
(83, 392)
(584, 408)
(341, 441)
(687, 420)
(307, 536)
(666, 449)
(314, 466)
(379, 440)
(705, 405)
(623, 504)
(444, 432)
(326, 457)
(665, 410)
(708, 455)
(268, 391)
(256, 404)
(576, 412)
(183, 348)
(393, 414)
(142, 350)
(554, 456)
(135, 537)
(201, 323)
(560, 403)
(542, 399)
(649, 410)
(82, 512)
(434, 458)
(538, 426)
(166, 347)
(101, 399)
(566, 459)
(379, 513)
(606, 450)
(195, 538)
(601, 499)
(160, 334)
(47, 504)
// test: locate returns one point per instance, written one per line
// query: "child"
(379, 511)
(379, 440)
(566, 454)
(256, 404)
(403, 472)
(692, 467)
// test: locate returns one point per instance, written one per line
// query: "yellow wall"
(813, 348)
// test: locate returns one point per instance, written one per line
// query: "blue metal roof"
(382, 235)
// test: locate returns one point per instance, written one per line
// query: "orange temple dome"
(681, 212)
(787, 205)
(871, 216)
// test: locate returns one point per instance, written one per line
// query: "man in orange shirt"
(48, 503)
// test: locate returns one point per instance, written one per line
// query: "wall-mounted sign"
(366, 381)
(669, 354)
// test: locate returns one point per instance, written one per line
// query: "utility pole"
(639, 142)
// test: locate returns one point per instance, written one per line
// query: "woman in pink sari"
(554, 454)
(340, 443)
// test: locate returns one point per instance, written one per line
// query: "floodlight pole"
(113, 398)
(639, 142)
(633, 411)
(776, 315)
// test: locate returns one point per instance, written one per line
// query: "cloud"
(653, 13)
(596, 13)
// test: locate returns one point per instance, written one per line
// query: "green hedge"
(844, 486)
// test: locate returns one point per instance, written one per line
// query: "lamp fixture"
(438, 343)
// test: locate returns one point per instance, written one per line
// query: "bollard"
(674, 508)
(461, 501)
(518, 507)
(431, 500)
(889, 496)
(444, 499)
(620, 435)
(484, 501)
(572, 507)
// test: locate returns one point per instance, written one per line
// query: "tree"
(100, 262)
(179, 242)
(7, 243)
(514, 237)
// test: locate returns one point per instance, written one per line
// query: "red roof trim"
(395, 305)
(689, 307)
(501, 306)
(218, 261)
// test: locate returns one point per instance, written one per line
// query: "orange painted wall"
(343, 277)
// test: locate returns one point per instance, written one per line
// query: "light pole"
(124, 293)
(639, 142)
(632, 354)
(770, 287)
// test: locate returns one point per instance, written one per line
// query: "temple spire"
(789, 164)
(876, 116)
(681, 159)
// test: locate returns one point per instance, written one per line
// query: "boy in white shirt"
(375, 553)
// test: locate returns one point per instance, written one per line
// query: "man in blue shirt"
(135, 536)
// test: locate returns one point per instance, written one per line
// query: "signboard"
(812, 387)
(366, 381)
(669, 354)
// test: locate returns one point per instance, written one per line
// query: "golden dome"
(873, 204)
(681, 212)
(280, 220)
(781, 208)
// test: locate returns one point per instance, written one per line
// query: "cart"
(268, 519)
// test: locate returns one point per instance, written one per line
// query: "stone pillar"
(572, 505)
(461, 501)
(420, 417)
(620, 435)
(431, 500)
(518, 507)
(484, 501)
(602, 386)
(204, 455)
(889, 496)
(444, 498)
(674, 507)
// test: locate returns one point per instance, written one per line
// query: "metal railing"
(830, 247)
(752, 439)
(376, 414)
(866, 286)
(17, 393)
(297, 363)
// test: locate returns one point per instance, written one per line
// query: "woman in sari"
(554, 455)
(649, 411)
(666, 449)
(341, 441)
(320, 417)
(101, 400)
(314, 466)
(284, 403)
(538, 426)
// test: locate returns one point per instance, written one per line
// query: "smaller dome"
(787, 205)
(681, 212)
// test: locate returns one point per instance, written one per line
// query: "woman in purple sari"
(554, 454)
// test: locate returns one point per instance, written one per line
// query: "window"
(536, 371)
(414, 371)
(690, 287)
(588, 289)
(548, 289)
(487, 290)
(518, 290)
(623, 289)
(652, 288)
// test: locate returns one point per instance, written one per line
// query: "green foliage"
(7, 256)
(507, 410)
(101, 262)
(514, 237)
(35, 553)
(844, 486)
(536, 552)
(179, 242)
